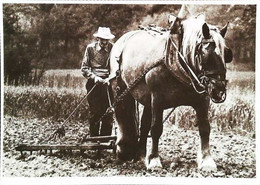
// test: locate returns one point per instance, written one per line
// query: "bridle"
(204, 79)
(205, 76)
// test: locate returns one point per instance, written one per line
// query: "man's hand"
(97, 80)
(107, 81)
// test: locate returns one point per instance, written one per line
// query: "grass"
(61, 90)
(44, 102)
(70, 78)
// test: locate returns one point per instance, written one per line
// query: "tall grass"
(237, 113)
(43, 102)
(63, 78)
(58, 100)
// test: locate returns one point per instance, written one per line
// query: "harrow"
(87, 143)
(92, 143)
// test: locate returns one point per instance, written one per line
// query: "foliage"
(49, 36)
(19, 43)
(241, 30)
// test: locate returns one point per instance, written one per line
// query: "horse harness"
(204, 78)
(190, 74)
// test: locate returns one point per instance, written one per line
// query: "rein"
(191, 72)
(205, 79)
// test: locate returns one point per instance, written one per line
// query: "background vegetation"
(43, 43)
(38, 37)
(59, 94)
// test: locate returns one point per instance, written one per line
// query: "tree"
(18, 43)
(49, 36)
(241, 31)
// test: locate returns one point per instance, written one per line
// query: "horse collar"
(181, 68)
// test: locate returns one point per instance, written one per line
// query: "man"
(96, 68)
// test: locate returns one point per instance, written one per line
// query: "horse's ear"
(205, 31)
(184, 12)
(171, 19)
(175, 24)
(223, 31)
(228, 55)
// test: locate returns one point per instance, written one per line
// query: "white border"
(2, 86)
(126, 180)
(138, 180)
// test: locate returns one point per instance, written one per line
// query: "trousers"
(98, 104)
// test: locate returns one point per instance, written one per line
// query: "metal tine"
(99, 151)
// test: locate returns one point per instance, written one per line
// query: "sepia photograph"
(128, 89)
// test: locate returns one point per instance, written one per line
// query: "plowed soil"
(234, 154)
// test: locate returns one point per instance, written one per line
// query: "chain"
(135, 82)
(127, 90)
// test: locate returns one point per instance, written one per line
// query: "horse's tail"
(125, 112)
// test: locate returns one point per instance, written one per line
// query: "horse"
(191, 71)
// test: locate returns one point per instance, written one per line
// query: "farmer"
(96, 68)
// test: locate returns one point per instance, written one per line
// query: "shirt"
(96, 61)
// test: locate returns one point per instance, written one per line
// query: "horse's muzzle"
(217, 90)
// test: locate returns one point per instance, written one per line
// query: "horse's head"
(204, 49)
(212, 55)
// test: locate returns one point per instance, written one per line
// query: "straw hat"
(104, 33)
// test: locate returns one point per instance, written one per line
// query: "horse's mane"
(192, 36)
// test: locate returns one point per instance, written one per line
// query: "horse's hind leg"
(144, 130)
(153, 161)
(204, 159)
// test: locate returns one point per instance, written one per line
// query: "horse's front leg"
(204, 159)
(153, 160)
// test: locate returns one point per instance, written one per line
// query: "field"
(33, 113)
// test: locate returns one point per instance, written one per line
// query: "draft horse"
(193, 71)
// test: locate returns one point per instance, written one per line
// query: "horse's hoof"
(208, 165)
(153, 163)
